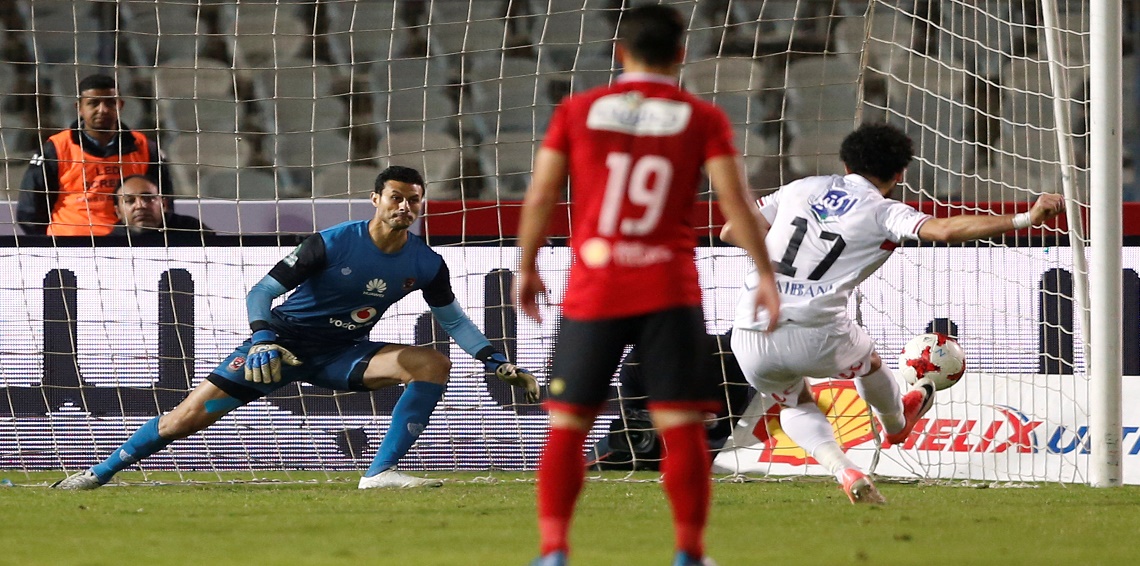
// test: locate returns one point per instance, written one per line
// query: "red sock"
(686, 480)
(561, 472)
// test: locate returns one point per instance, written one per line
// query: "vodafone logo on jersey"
(363, 314)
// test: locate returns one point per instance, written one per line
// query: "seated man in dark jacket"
(145, 213)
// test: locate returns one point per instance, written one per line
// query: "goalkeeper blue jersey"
(343, 283)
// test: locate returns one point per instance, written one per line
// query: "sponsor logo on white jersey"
(632, 113)
(829, 206)
(375, 288)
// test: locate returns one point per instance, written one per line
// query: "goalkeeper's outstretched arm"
(452, 318)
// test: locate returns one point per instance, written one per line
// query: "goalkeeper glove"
(496, 362)
(263, 364)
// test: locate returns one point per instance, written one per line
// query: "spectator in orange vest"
(69, 185)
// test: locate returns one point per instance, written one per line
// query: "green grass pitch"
(488, 519)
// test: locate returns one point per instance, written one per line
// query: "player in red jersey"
(633, 152)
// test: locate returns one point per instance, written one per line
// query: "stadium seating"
(366, 32)
(462, 76)
(196, 115)
(300, 156)
(345, 181)
(265, 32)
(466, 33)
(435, 154)
(182, 30)
(889, 43)
(192, 156)
(195, 77)
(420, 110)
(566, 31)
(506, 95)
(246, 184)
(935, 116)
(11, 173)
(508, 163)
(62, 32)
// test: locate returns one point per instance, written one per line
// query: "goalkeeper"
(345, 278)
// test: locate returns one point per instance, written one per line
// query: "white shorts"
(776, 363)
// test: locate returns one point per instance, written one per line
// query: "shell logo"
(849, 415)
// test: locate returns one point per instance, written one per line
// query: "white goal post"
(275, 116)
(1105, 292)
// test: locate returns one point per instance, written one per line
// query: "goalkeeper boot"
(79, 481)
(860, 488)
(915, 403)
(685, 559)
(392, 478)
(556, 558)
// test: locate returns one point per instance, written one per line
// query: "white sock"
(807, 426)
(831, 456)
(880, 390)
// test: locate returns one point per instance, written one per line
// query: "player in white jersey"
(827, 234)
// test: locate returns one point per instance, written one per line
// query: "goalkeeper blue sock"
(144, 442)
(409, 418)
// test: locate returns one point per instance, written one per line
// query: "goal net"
(275, 117)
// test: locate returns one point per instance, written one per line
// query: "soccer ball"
(936, 356)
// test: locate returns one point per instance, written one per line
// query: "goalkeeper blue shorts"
(337, 368)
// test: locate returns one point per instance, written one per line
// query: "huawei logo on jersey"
(375, 288)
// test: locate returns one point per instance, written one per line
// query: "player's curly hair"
(877, 150)
(401, 174)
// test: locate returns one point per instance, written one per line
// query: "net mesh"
(275, 118)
